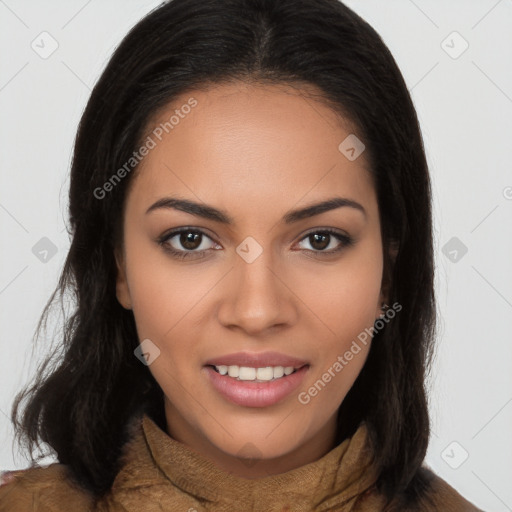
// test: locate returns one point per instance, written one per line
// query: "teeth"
(260, 374)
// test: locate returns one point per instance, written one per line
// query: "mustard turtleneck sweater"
(160, 474)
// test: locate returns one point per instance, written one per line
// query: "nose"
(257, 297)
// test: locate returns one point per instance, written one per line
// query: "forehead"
(269, 143)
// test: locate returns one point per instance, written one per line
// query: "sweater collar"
(336, 478)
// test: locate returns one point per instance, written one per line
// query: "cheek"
(160, 293)
(345, 304)
(344, 296)
(164, 301)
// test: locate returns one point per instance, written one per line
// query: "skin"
(255, 152)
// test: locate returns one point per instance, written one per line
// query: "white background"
(465, 110)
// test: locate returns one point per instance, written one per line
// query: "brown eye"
(189, 240)
(321, 240)
(186, 243)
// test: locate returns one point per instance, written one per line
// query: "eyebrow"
(209, 212)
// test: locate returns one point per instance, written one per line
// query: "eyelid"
(325, 229)
(343, 237)
(168, 235)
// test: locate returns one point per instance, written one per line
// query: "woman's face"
(269, 280)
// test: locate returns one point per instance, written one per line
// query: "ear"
(122, 290)
(389, 263)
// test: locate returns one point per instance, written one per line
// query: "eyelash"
(163, 241)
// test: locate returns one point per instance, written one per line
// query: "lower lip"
(256, 394)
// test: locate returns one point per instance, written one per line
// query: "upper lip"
(257, 360)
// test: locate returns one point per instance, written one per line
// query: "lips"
(257, 360)
(255, 394)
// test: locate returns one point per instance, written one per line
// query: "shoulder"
(429, 492)
(42, 489)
